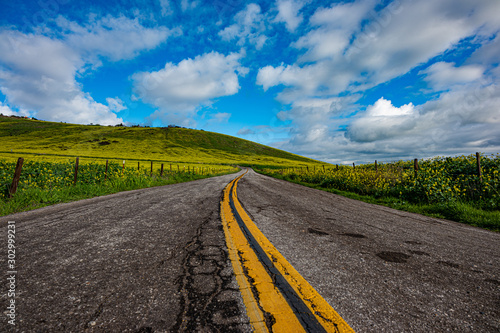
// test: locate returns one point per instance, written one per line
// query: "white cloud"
(245, 131)
(335, 27)
(115, 38)
(219, 118)
(6, 110)
(352, 47)
(443, 75)
(249, 27)
(166, 8)
(288, 13)
(178, 90)
(188, 5)
(38, 73)
(382, 120)
(115, 104)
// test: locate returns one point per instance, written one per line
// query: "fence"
(201, 170)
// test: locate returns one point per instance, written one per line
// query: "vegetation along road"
(249, 253)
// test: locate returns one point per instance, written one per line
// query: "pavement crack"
(208, 299)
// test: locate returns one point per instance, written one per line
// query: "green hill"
(26, 136)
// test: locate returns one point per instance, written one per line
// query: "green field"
(50, 150)
(24, 138)
(445, 187)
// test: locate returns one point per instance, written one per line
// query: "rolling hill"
(172, 144)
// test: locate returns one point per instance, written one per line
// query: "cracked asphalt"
(155, 260)
(151, 260)
(381, 269)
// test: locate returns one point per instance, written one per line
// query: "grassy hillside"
(23, 136)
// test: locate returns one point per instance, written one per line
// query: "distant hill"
(173, 144)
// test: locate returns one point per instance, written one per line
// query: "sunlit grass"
(44, 183)
(443, 186)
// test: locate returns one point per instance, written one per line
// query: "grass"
(50, 150)
(47, 183)
(32, 137)
(443, 187)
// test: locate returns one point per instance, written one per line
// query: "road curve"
(155, 260)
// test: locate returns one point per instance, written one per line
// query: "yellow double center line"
(276, 296)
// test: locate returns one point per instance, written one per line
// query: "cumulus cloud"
(352, 47)
(178, 90)
(289, 13)
(115, 38)
(115, 104)
(443, 75)
(381, 121)
(38, 73)
(249, 27)
(6, 110)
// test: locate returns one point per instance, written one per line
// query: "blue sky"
(342, 82)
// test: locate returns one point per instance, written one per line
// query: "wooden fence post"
(479, 173)
(138, 166)
(106, 172)
(17, 176)
(376, 166)
(353, 166)
(415, 166)
(161, 171)
(76, 170)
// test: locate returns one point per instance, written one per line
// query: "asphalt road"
(382, 270)
(150, 260)
(155, 260)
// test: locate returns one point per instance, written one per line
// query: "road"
(155, 260)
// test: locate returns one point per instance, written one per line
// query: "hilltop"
(169, 144)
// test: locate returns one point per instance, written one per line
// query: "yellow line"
(256, 280)
(259, 293)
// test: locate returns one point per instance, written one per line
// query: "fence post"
(161, 170)
(353, 165)
(17, 176)
(376, 166)
(138, 166)
(106, 172)
(151, 168)
(415, 166)
(76, 171)
(479, 173)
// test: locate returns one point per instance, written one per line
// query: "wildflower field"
(447, 187)
(45, 182)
